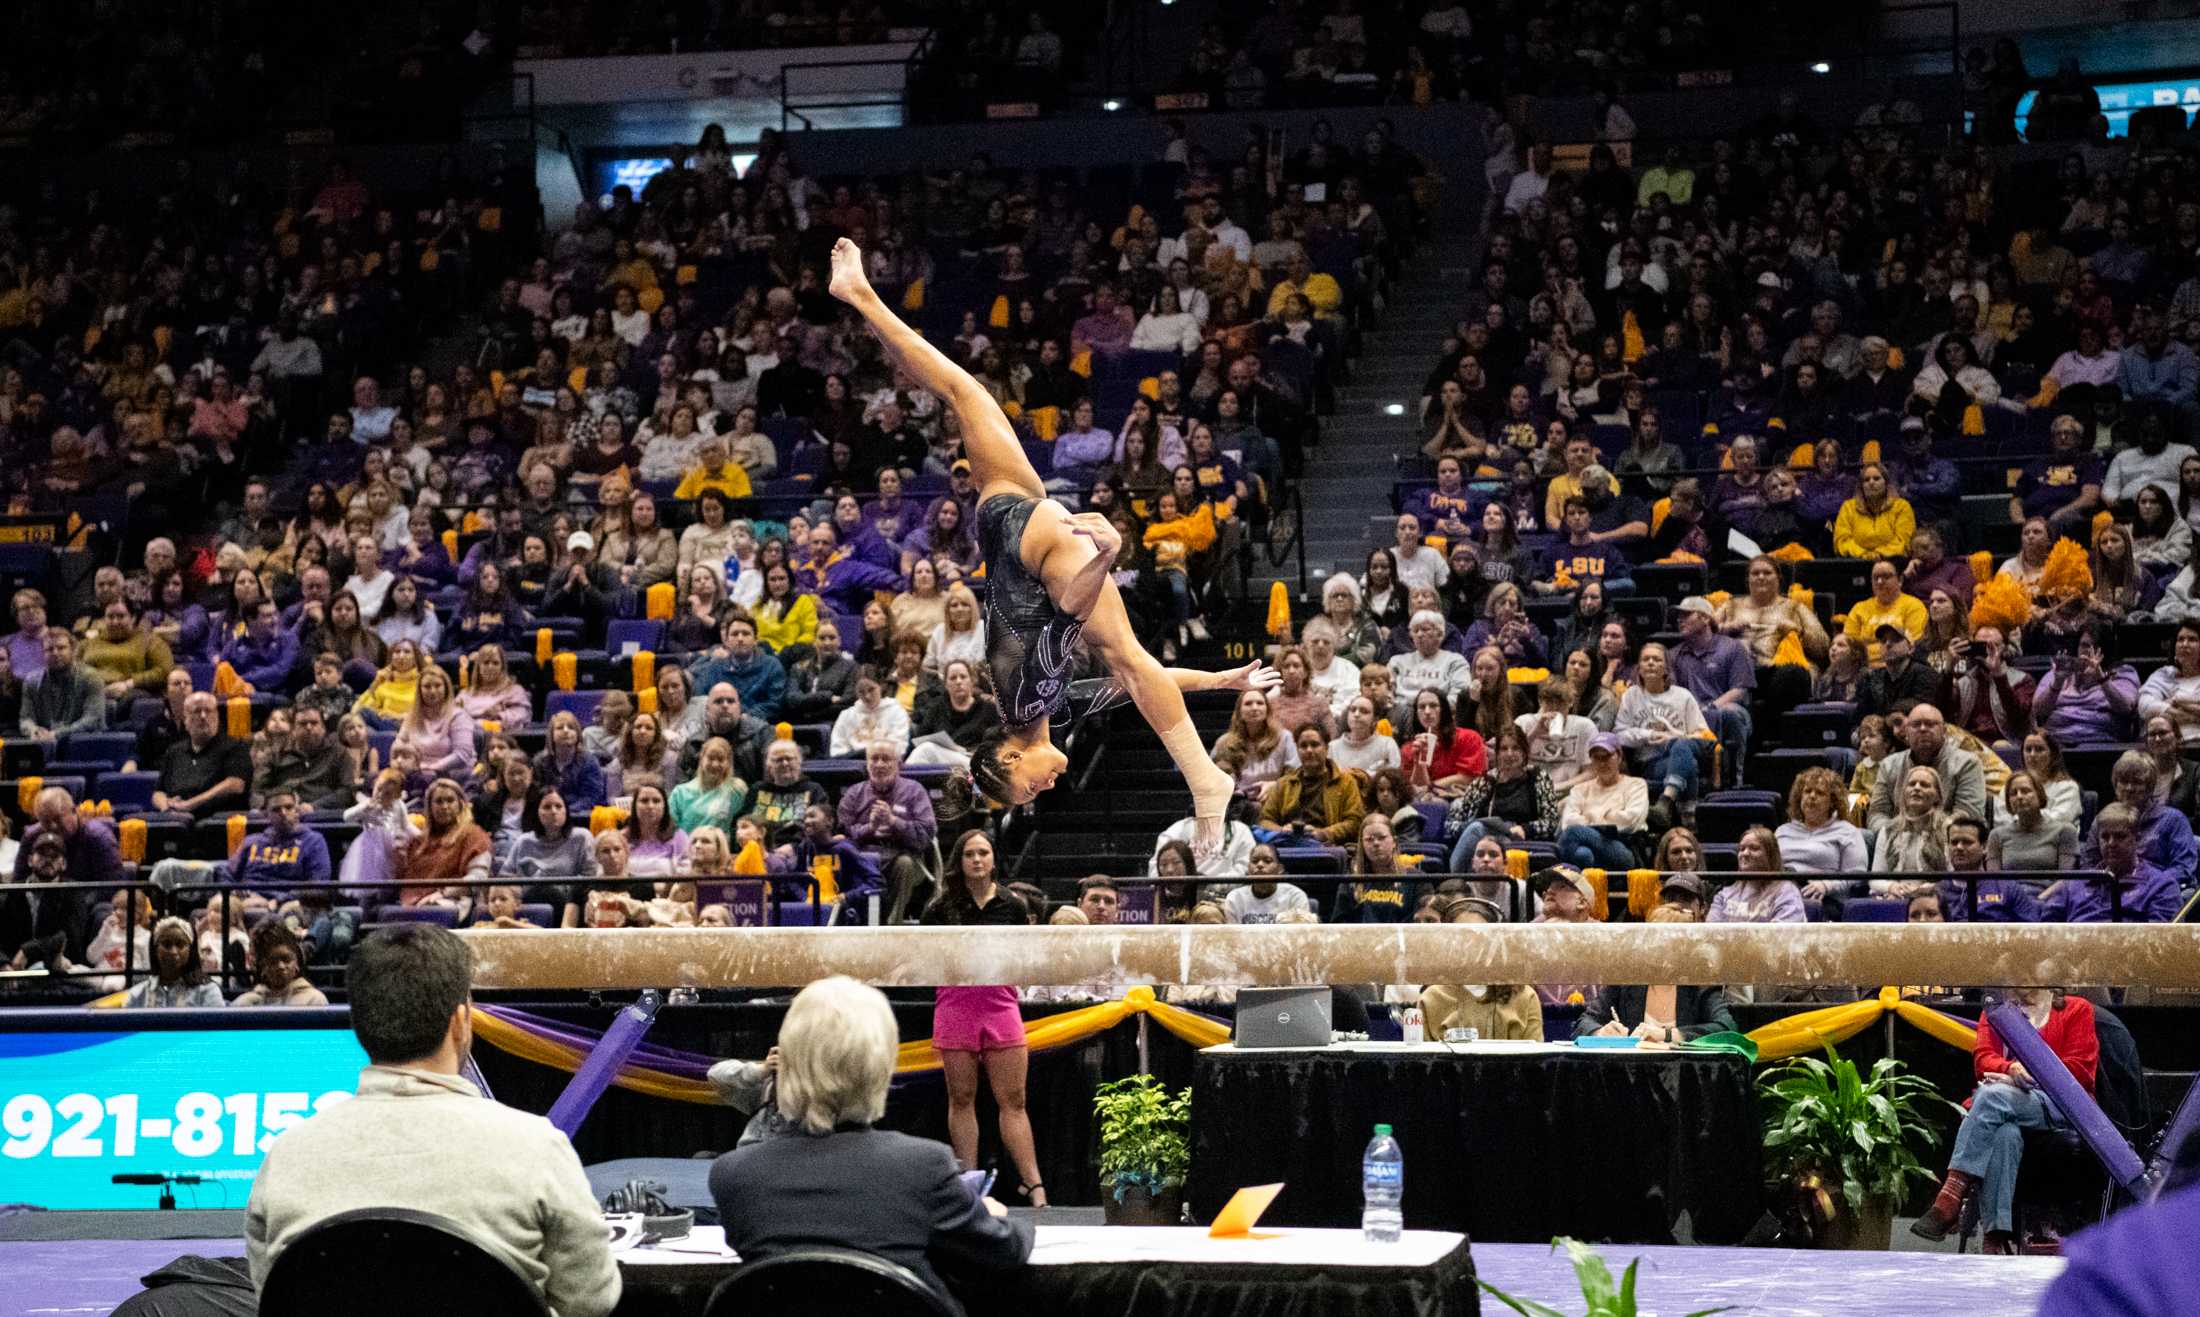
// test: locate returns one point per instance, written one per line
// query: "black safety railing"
(1518, 902)
(796, 108)
(179, 898)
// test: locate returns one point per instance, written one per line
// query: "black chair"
(826, 1282)
(342, 1268)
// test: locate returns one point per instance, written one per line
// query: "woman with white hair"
(1359, 636)
(836, 1181)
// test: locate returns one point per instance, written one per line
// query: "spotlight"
(1395, 409)
(1111, 105)
(1821, 67)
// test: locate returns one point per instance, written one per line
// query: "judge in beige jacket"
(419, 1135)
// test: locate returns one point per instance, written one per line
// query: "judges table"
(1129, 1271)
(1503, 1141)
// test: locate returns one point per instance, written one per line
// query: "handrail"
(349, 888)
(909, 65)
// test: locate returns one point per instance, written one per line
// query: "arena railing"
(179, 898)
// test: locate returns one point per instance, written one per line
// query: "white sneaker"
(1198, 629)
(1168, 651)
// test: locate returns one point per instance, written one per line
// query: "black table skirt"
(1604, 1146)
(1145, 1289)
(1058, 1092)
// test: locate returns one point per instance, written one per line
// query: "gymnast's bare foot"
(848, 282)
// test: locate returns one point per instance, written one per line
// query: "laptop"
(1283, 1017)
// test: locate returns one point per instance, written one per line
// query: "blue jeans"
(1462, 850)
(1672, 765)
(1990, 1145)
(1730, 723)
(1586, 848)
(1180, 597)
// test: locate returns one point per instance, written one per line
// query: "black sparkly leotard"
(1031, 645)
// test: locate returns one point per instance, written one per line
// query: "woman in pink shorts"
(978, 1027)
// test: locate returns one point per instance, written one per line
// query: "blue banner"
(77, 1109)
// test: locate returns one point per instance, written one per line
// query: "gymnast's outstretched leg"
(1072, 554)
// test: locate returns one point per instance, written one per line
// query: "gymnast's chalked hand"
(1256, 676)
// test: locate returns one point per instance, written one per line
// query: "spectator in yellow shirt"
(714, 469)
(1874, 522)
(1322, 291)
(1887, 605)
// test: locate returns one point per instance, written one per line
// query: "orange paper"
(1238, 1216)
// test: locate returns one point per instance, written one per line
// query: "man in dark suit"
(838, 1182)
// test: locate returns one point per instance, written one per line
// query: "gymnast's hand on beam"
(1253, 676)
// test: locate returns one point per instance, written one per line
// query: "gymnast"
(1049, 586)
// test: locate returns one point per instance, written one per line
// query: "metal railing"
(344, 894)
(910, 66)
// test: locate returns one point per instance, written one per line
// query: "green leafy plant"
(1605, 1299)
(1144, 1134)
(1834, 1131)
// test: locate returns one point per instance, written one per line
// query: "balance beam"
(1871, 955)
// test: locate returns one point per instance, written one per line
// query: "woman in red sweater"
(2008, 1101)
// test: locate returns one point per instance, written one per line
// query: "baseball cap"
(1769, 280)
(1544, 879)
(961, 467)
(1886, 631)
(581, 539)
(1684, 882)
(1696, 603)
(1608, 741)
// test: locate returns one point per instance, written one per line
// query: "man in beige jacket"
(419, 1135)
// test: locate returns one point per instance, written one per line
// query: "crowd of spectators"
(666, 438)
(661, 436)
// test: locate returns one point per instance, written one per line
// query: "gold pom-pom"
(2000, 602)
(2067, 575)
(1982, 567)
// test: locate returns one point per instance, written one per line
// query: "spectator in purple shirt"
(1983, 900)
(891, 814)
(1718, 671)
(2165, 839)
(1081, 452)
(263, 654)
(1825, 487)
(1107, 328)
(1930, 568)
(27, 643)
(2084, 701)
(2144, 893)
(283, 854)
(1446, 508)
(856, 875)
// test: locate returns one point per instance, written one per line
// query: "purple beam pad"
(2099, 1132)
(596, 1073)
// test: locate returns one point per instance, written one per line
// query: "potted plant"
(1145, 1151)
(1605, 1298)
(1842, 1145)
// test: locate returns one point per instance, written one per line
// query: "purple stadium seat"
(581, 704)
(1874, 910)
(642, 633)
(444, 915)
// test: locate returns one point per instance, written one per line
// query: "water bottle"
(1383, 1188)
